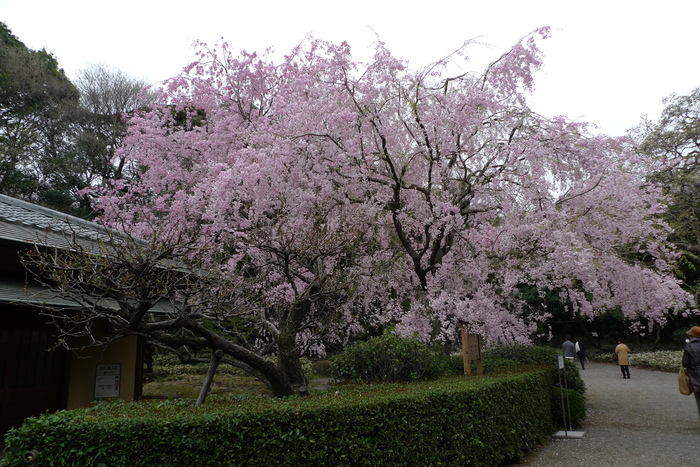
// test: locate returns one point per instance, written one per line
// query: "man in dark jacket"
(691, 360)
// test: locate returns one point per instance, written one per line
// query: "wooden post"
(471, 351)
(465, 351)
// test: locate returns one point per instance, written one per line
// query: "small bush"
(678, 340)
(573, 377)
(388, 358)
(577, 407)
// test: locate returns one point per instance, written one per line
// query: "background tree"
(98, 124)
(674, 143)
(107, 97)
(35, 99)
(57, 139)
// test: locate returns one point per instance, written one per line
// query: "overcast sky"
(608, 62)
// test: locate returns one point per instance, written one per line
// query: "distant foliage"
(388, 358)
(673, 141)
(175, 371)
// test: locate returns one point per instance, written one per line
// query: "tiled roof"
(25, 222)
(30, 293)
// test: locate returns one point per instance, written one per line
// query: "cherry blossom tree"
(334, 195)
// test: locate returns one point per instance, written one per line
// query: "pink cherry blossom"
(338, 196)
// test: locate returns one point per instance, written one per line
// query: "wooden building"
(36, 373)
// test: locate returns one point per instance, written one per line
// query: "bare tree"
(110, 91)
(107, 97)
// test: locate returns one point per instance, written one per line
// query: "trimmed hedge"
(475, 421)
(533, 354)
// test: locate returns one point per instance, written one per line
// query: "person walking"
(623, 353)
(581, 353)
(568, 349)
(691, 360)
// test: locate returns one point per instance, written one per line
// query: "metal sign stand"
(565, 408)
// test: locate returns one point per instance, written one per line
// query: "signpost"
(471, 351)
(565, 408)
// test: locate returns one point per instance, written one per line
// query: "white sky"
(608, 62)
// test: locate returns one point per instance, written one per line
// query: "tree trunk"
(213, 365)
(288, 353)
(286, 378)
(589, 337)
(658, 337)
(289, 364)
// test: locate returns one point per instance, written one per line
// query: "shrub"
(600, 355)
(664, 360)
(388, 358)
(534, 354)
(167, 367)
(678, 340)
(573, 377)
(577, 407)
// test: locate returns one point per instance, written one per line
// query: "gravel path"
(641, 421)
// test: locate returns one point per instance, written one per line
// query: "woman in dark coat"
(691, 360)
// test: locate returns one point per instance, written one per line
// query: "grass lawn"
(187, 386)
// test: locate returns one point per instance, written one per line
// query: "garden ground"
(641, 421)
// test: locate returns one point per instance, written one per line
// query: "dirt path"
(641, 421)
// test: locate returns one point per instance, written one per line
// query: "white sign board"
(561, 362)
(107, 380)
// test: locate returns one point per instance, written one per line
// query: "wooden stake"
(465, 351)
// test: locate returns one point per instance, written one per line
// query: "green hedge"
(533, 354)
(475, 421)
